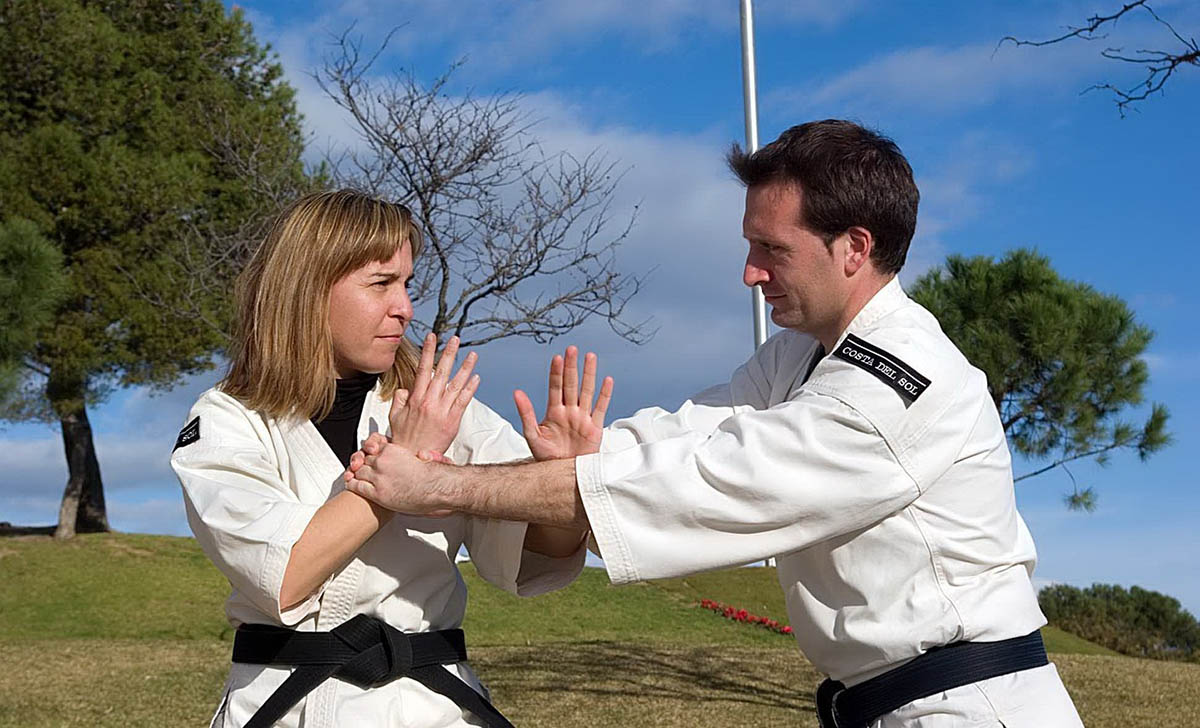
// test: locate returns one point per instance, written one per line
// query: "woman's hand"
(427, 418)
(572, 425)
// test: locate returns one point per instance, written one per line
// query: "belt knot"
(384, 653)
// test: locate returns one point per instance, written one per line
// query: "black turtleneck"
(340, 426)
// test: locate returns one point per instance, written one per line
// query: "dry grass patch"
(588, 684)
(134, 683)
(1119, 692)
(115, 683)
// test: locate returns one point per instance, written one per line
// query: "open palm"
(573, 424)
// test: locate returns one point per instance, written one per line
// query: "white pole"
(758, 303)
(750, 93)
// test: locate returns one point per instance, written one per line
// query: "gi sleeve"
(765, 482)
(497, 547)
(749, 388)
(241, 511)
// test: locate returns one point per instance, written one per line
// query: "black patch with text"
(908, 382)
(189, 434)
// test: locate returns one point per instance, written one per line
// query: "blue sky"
(1007, 151)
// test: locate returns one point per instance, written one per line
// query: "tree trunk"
(82, 509)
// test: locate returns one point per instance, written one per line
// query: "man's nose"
(753, 274)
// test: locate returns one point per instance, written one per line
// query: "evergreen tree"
(144, 140)
(31, 285)
(1063, 361)
(1137, 621)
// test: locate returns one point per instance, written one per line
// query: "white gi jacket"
(251, 484)
(893, 520)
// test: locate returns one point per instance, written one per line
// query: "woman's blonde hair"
(281, 360)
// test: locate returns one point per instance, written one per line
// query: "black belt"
(364, 651)
(938, 670)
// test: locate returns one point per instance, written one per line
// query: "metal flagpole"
(750, 94)
(758, 303)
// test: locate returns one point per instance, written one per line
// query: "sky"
(1008, 150)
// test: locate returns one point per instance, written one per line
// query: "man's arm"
(539, 492)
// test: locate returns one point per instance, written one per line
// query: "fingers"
(529, 421)
(570, 395)
(446, 362)
(361, 487)
(554, 393)
(459, 405)
(433, 456)
(463, 375)
(588, 385)
(601, 408)
(356, 462)
(424, 368)
(374, 444)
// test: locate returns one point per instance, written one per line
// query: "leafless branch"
(1160, 65)
(518, 240)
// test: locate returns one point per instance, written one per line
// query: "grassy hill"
(127, 630)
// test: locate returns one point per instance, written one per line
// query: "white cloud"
(505, 34)
(944, 79)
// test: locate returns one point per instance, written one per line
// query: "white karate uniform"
(894, 524)
(252, 483)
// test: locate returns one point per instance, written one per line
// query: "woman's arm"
(427, 418)
(337, 530)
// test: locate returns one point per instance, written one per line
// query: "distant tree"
(31, 284)
(1159, 65)
(1136, 622)
(145, 141)
(1063, 361)
(517, 239)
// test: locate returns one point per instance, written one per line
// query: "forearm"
(334, 534)
(540, 493)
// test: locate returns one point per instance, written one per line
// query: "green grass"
(90, 585)
(591, 609)
(128, 630)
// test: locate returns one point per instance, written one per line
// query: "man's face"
(801, 278)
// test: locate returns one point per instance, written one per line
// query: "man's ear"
(859, 244)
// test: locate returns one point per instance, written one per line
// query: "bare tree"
(1160, 65)
(517, 239)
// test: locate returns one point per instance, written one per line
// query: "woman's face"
(369, 310)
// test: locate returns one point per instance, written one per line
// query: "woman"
(318, 356)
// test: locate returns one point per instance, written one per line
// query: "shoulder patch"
(908, 382)
(189, 434)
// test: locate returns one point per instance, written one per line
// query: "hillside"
(127, 630)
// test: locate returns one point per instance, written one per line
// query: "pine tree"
(1063, 361)
(144, 140)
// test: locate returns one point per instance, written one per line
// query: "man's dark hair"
(848, 176)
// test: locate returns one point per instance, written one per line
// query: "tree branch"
(1160, 65)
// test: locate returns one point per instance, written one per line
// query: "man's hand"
(428, 417)
(572, 425)
(395, 477)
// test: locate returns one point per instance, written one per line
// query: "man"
(858, 446)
